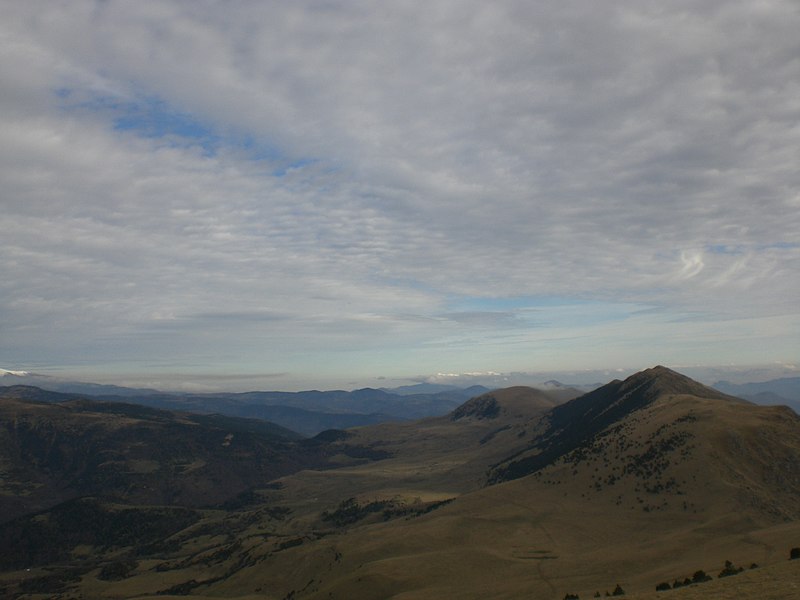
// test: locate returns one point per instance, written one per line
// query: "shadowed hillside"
(66, 447)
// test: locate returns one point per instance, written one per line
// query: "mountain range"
(306, 412)
(514, 493)
(785, 390)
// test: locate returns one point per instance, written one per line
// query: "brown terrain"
(518, 493)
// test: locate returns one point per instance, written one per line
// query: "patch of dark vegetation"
(415, 509)
(53, 583)
(222, 554)
(332, 435)
(211, 529)
(365, 452)
(185, 588)
(730, 569)
(243, 500)
(226, 528)
(213, 555)
(794, 554)
(240, 425)
(334, 441)
(350, 511)
(180, 589)
(618, 591)
(159, 547)
(117, 570)
(149, 456)
(482, 407)
(279, 513)
(49, 537)
(490, 436)
(134, 411)
(291, 543)
(701, 576)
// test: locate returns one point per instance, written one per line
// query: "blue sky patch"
(149, 116)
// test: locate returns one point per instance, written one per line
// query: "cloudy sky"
(330, 194)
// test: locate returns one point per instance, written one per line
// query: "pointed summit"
(647, 386)
(618, 398)
(660, 380)
(573, 423)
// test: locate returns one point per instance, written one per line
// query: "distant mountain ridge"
(435, 388)
(307, 412)
(66, 386)
(785, 390)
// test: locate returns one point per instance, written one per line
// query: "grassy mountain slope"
(434, 458)
(653, 478)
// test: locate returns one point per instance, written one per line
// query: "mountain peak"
(618, 398)
(656, 381)
(578, 420)
(518, 399)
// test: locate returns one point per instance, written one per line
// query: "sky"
(287, 195)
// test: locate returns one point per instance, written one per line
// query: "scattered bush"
(664, 585)
(618, 591)
(180, 589)
(350, 511)
(572, 597)
(729, 570)
(700, 576)
(290, 544)
(794, 553)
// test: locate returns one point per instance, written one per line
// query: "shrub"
(662, 586)
(618, 591)
(794, 553)
(700, 576)
(729, 570)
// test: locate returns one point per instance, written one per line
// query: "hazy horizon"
(265, 194)
(210, 382)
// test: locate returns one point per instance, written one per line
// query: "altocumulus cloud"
(350, 188)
